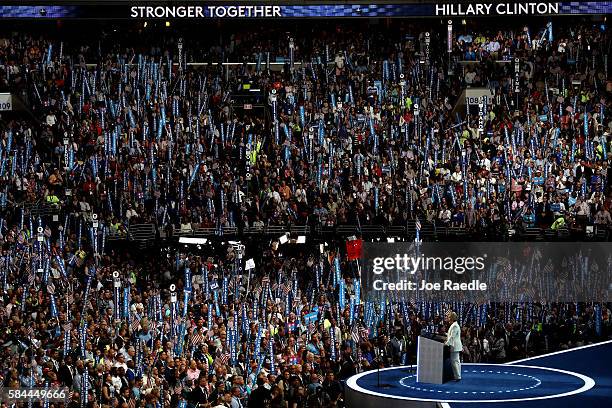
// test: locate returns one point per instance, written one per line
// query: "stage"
(579, 377)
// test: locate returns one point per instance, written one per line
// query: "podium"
(433, 360)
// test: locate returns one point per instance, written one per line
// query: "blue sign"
(311, 318)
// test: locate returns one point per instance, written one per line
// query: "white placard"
(473, 96)
(6, 102)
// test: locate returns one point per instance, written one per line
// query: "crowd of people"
(153, 141)
(353, 128)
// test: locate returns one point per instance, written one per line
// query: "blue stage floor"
(580, 378)
(594, 362)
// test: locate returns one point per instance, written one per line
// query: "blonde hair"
(452, 315)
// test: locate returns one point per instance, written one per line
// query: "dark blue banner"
(264, 10)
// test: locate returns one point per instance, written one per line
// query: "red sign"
(354, 249)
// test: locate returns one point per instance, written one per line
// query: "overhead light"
(146, 23)
(391, 240)
(167, 24)
(192, 240)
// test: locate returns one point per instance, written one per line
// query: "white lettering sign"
(204, 11)
(501, 9)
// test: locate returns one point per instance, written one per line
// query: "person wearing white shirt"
(339, 61)
(453, 339)
(300, 195)
(51, 119)
(486, 163)
(130, 213)
(456, 176)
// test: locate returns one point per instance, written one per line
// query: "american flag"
(31, 276)
(417, 225)
(196, 338)
(286, 289)
(135, 324)
(224, 358)
(364, 332)
(355, 334)
(30, 331)
(548, 268)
